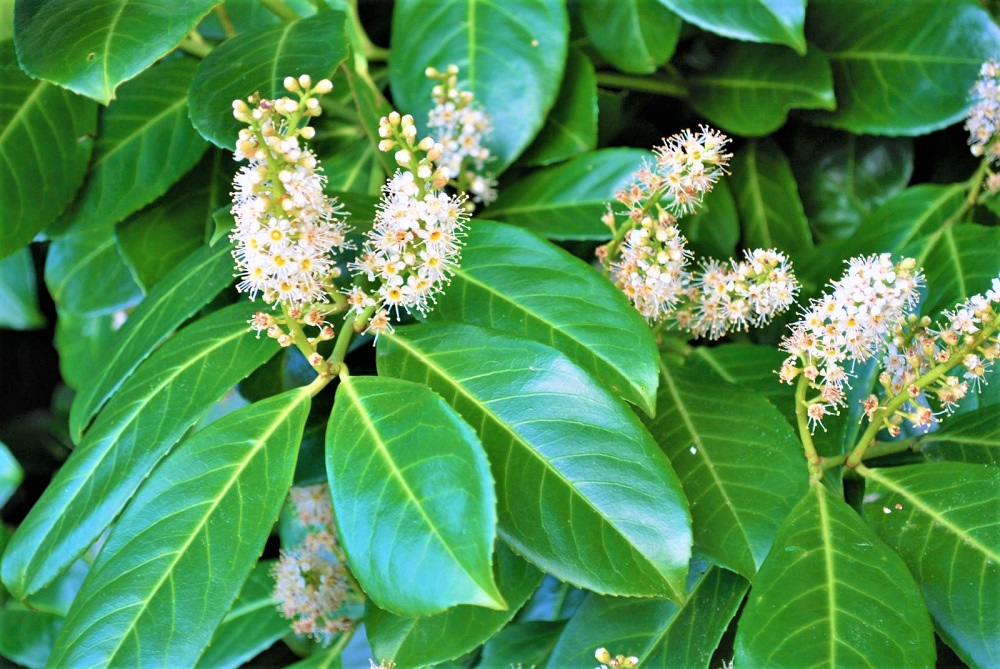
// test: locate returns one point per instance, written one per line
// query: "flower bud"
(324, 86)
(291, 85)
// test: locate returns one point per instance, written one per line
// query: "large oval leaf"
(206, 510)
(92, 46)
(10, 478)
(973, 437)
(562, 449)
(183, 291)
(510, 56)
(751, 89)
(511, 280)
(45, 145)
(413, 497)
(86, 275)
(944, 521)
(18, 293)
(827, 578)
(566, 201)
(147, 416)
(714, 229)
(739, 462)
(417, 642)
(259, 61)
(635, 36)
(772, 21)
(903, 67)
(960, 261)
(751, 366)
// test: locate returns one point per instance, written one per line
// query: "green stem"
(877, 450)
(280, 9)
(227, 23)
(812, 456)
(338, 648)
(195, 45)
(644, 84)
(299, 337)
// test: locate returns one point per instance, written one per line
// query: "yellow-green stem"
(801, 406)
(194, 45)
(227, 23)
(876, 450)
(280, 9)
(643, 84)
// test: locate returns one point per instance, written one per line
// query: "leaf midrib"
(28, 101)
(144, 129)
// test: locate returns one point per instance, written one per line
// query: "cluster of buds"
(286, 227)
(847, 325)
(414, 245)
(617, 662)
(276, 328)
(651, 268)
(461, 126)
(310, 584)
(983, 123)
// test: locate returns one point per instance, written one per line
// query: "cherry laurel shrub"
(608, 333)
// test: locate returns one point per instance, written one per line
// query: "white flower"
(984, 117)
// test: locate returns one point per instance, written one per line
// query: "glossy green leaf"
(413, 642)
(635, 36)
(10, 474)
(901, 67)
(206, 510)
(739, 462)
(959, 261)
(566, 201)
(525, 643)
(18, 294)
(944, 521)
(494, 46)
(45, 144)
(973, 437)
(771, 21)
(183, 291)
(751, 88)
(147, 416)
(560, 447)
(259, 61)
(511, 280)
(79, 340)
(657, 631)
(815, 599)
(101, 43)
(352, 169)
(768, 199)
(26, 636)
(250, 627)
(751, 366)
(371, 106)
(413, 499)
(843, 177)
(87, 276)
(571, 128)
(714, 229)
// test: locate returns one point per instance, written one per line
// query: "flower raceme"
(983, 122)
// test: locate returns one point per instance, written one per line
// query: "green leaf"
(10, 474)
(771, 21)
(571, 127)
(903, 67)
(207, 510)
(26, 636)
(45, 144)
(635, 36)
(371, 106)
(827, 579)
(714, 229)
(511, 280)
(739, 462)
(493, 45)
(560, 447)
(843, 177)
(87, 276)
(973, 437)
(960, 261)
(566, 201)
(102, 43)
(182, 292)
(527, 644)
(751, 366)
(905, 218)
(352, 168)
(752, 87)
(250, 627)
(413, 499)
(148, 415)
(413, 642)
(768, 199)
(659, 632)
(942, 520)
(259, 61)
(18, 295)
(80, 340)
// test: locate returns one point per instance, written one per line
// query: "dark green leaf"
(413, 497)
(352, 169)
(26, 636)
(771, 21)
(206, 510)
(259, 61)
(80, 340)
(659, 632)
(973, 437)
(943, 520)
(18, 294)
(371, 106)
(960, 261)
(45, 145)
(560, 447)
(751, 366)
(635, 36)
(493, 45)
(714, 229)
(901, 67)
(86, 275)
(183, 291)
(739, 461)
(768, 199)
(521, 644)
(827, 579)
(10, 474)
(147, 416)
(571, 127)
(566, 201)
(416, 642)
(92, 46)
(250, 627)
(513, 281)
(751, 89)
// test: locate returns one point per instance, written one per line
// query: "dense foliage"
(448, 367)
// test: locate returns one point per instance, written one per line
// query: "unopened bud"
(602, 655)
(291, 84)
(403, 158)
(324, 86)
(315, 359)
(305, 81)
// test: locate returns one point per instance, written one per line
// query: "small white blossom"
(984, 117)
